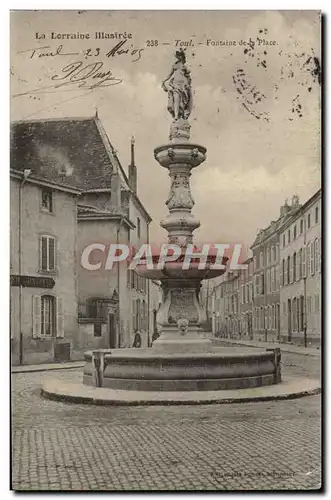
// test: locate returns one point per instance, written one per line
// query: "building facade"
(68, 191)
(43, 271)
(226, 306)
(266, 258)
(280, 291)
(300, 278)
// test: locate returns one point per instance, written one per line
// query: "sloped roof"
(66, 151)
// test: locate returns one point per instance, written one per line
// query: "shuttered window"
(47, 316)
(47, 253)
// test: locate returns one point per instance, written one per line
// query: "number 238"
(152, 43)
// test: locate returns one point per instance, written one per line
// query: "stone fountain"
(182, 358)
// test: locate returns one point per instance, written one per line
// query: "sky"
(256, 102)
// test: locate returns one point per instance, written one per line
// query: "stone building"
(226, 306)
(266, 308)
(68, 191)
(300, 257)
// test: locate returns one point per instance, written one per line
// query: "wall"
(61, 224)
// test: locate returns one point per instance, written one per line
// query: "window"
(138, 227)
(273, 323)
(283, 239)
(97, 330)
(316, 215)
(301, 226)
(47, 316)
(46, 200)
(317, 303)
(302, 312)
(262, 285)
(294, 232)
(299, 267)
(291, 270)
(274, 253)
(288, 270)
(261, 259)
(47, 253)
(294, 314)
(294, 266)
(98, 308)
(283, 282)
(308, 221)
(289, 236)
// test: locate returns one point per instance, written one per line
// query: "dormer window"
(47, 200)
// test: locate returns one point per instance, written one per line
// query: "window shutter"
(308, 259)
(36, 316)
(319, 253)
(303, 262)
(317, 257)
(312, 258)
(291, 269)
(59, 318)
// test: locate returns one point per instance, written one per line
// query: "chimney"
(132, 169)
(284, 209)
(115, 186)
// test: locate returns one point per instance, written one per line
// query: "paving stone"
(266, 445)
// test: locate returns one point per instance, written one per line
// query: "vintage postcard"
(165, 250)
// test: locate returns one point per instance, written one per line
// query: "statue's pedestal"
(172, 342)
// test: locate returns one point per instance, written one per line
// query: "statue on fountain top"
(178, 86)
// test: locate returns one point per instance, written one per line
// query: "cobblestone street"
(268, 445)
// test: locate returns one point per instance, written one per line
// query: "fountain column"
(180, 314)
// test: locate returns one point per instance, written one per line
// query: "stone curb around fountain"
(290, 388)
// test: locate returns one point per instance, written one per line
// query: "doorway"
(112, 331)
(278, 321)
(289, 320)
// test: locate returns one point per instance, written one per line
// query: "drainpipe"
(26, 174)
(148, 298)
(305, 288)
(118, 284)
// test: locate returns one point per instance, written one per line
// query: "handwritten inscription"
(120, 49)
(78, 75)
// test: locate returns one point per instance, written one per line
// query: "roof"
(303, 208)
(65, 151)
(72, 152)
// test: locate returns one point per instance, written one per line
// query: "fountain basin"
(174, 269)
(149, 370)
